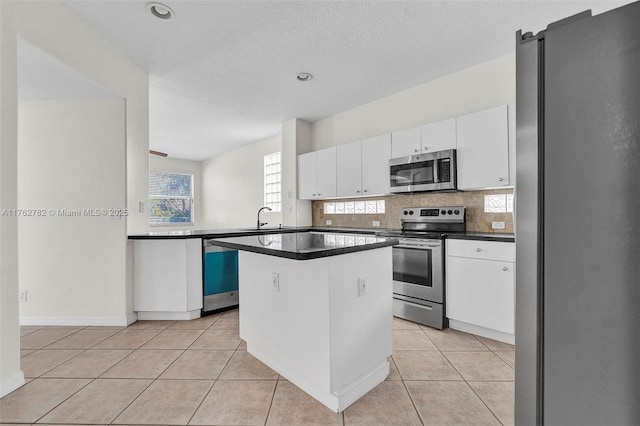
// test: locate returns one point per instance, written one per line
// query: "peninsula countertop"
(304, 245)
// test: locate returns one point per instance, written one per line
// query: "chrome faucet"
(259, 224)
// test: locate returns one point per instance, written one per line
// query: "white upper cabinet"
(363, 167)
(431, 137)
(349, 169)
(406, 142)
(317, 174)
(307, 176)
(439, 135)
(376, 153)
(483, 149)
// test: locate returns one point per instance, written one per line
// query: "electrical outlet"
(376, 223)
(328, 222)
(141, 206)
(275, 280)
(23, 295)
(497, 225)
(362, 286)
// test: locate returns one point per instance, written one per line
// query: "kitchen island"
(316, 308)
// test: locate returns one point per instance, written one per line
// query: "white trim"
(77, 321)
(11, 384)
(482, 331)
(131, 318)
(156, 316)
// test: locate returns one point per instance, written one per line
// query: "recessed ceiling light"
(304, 76)
(160, 11)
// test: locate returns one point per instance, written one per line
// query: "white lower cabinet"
(167, 278)
(480, 288)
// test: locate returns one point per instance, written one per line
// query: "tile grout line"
(464, 379)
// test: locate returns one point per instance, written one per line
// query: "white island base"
(324, 324)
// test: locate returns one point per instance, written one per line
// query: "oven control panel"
(432, 214)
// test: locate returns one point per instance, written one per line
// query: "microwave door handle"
(436, 174)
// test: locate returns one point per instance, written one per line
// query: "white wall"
(52, 28)
(71, 157)
(482, 86)
(184, 166)
(233, 187)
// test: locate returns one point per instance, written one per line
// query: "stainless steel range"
(418, 262)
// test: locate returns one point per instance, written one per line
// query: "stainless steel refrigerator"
(578, 221)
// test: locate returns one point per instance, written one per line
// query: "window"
(170, 198)
(499, 203)
(355, 207)
(272, 186)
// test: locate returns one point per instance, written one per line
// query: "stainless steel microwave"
(434, 171)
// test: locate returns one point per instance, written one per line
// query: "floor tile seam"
(133, 352)
(151, 382)
(97, 343)
(496, 355)
(66, 399)
(415, 407)
(273, 395)
(58, 365)
(464, 379)
(485, 403)
(201, 401)
(55, 341)
(512, 367)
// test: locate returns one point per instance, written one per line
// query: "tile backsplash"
(477, 219)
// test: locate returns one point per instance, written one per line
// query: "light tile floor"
(198, 372)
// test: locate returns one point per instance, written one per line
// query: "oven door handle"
(430, 308)
(416, 246)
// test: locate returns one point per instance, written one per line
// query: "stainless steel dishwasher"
(220, 277)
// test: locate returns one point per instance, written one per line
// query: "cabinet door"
(376, 153)
(326, 173)
(481, 292)
(483, 149)
(439, 135)
(307, 176)
(405, 142)
(349, 169)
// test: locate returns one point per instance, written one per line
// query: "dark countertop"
(305, 245)
(235, 232)
(213, 233)
(239, 232)
(484, 236)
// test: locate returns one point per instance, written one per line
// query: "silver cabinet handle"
(501, 179)
(478, 250)
(504, 268)
(416, 150)
(365, 190)
(425, 148)
(357, 191)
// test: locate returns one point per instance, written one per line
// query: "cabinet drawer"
(489, 250)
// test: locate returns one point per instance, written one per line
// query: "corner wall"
(233, 187)
(71, 168)
(51, 27)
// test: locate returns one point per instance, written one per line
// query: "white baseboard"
(131, 318)
(11, 384)
(483, 332)
(77, 321)
(158, 316)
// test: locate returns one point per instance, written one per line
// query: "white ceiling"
(222, 73)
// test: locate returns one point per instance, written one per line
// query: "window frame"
(266, 184)
(191, 198)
